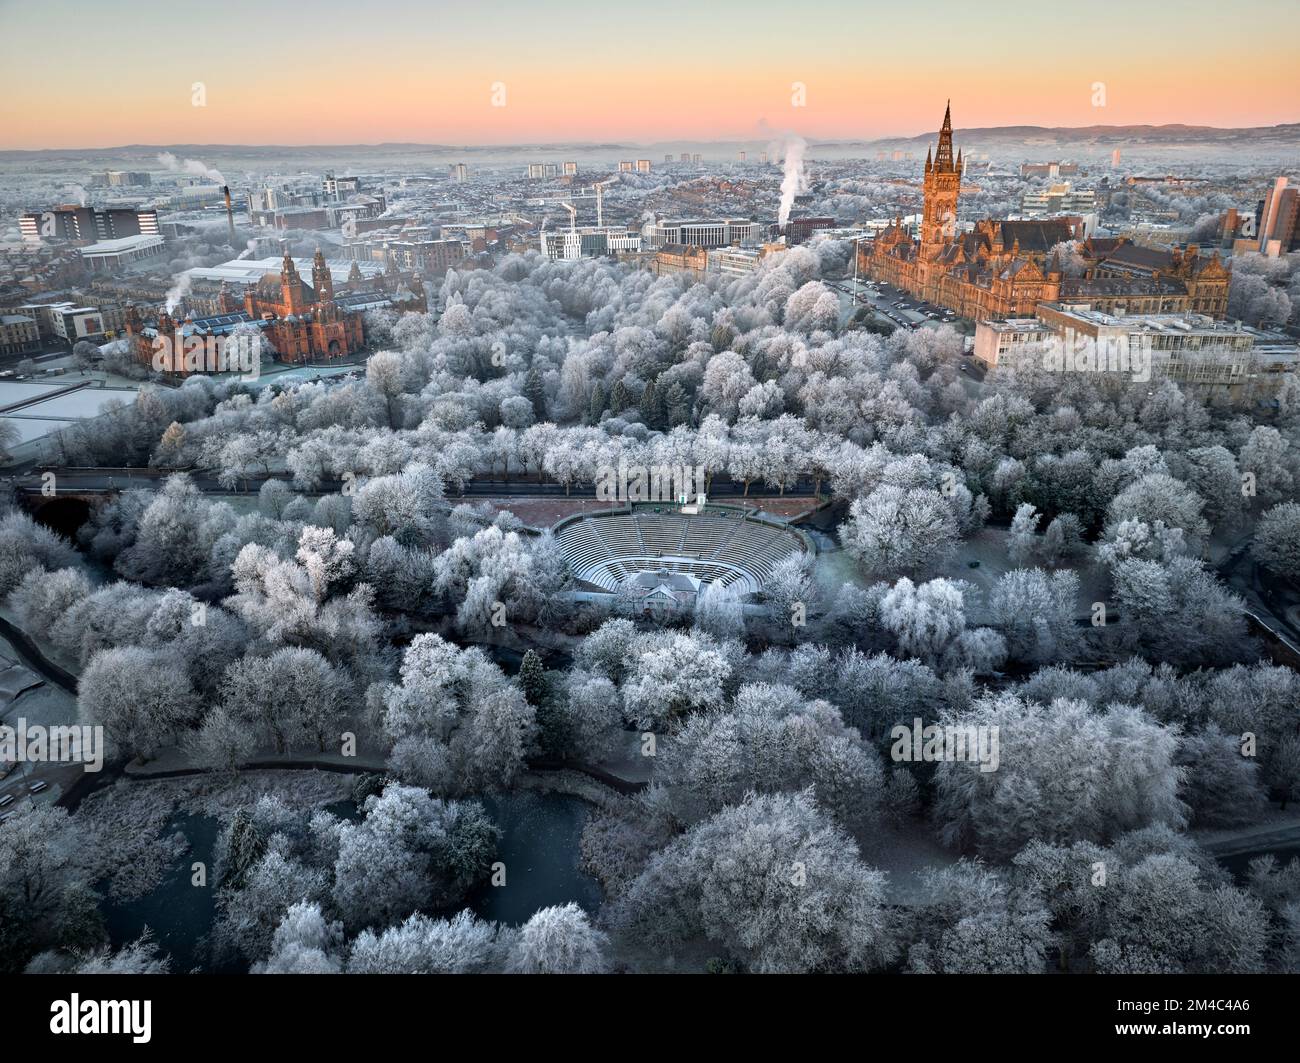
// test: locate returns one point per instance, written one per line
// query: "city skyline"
(266, 77)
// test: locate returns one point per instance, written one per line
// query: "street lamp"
(855, 242)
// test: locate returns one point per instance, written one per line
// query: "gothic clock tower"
(942, 186)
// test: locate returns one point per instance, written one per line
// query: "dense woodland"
(357, 595)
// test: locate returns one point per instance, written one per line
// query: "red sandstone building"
(306, 324)
(1006, 268)
(299, 322)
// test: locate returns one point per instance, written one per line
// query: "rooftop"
(252, 270)
(123, 243)
(1166, 323)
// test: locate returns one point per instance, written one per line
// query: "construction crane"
(573, 216)
(600, 204)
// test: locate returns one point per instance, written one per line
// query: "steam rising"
(794, 181)
(178, 291)
(190, 166)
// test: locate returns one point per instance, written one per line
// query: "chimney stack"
(230, 213)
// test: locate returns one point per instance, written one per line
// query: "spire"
(321, 279)
(927, 160)
(943, 157)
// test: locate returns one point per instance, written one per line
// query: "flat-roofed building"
(113, 256)
(719, 232)
(18, 334)
(87, 224)
(1216, 358)
(588, 242)
(120, 179)
(68, 322)
(1057, 199)
(1005, 342)
(734, 261)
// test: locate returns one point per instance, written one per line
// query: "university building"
(1217, 359)
(1006, 268)
(300, 322)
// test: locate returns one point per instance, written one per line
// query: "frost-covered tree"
(462, 944)
(771, 740)
(876, 692)
(972, 922)
(924, 619)
(406, 506)
(455, 723)
(585, 719)
(1065, 773)
(1277, 541)
(1222, 786)
(720, 612)
(43, 597)
(138, 697)
(1136, 539)
(1022, 539)
(1035, 611)
(558, 940)
(1177, 611)
(1266, 458)
(43, 901)
(141, 956)
(896, 531)
(292, 698)
(671, 674)
(304, 943)
(249, 913)
(1151, 903)
(26, 545)
(772, 883)
(410, 851)
(1158, 499)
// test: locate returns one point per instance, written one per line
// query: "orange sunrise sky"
(334, 73)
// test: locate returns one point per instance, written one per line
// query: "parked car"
(8, 799)
(37, 787)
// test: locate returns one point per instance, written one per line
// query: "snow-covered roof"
(252, 270)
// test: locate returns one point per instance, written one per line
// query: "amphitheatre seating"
(715, 546)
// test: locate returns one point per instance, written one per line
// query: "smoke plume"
(794, 180)
(178, 291)
(190, 166)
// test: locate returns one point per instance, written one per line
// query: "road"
(1272, 603)
(58, 777)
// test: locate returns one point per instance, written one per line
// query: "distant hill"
(1099, 135)
(1022, 136)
